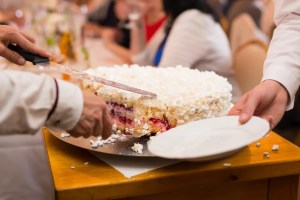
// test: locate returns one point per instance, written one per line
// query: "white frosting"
(183, 94)
(173, 85)
(138, 148)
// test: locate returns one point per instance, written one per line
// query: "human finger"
(19, 39)
(238, 106)
(107, 125)
(11, 55)
(28, 37)
(83, 128)
(89, 128)
(270, 119)
(98, 128)
(244, 108)
(248, 109)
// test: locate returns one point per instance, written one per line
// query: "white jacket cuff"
(68, 108)
(286, 78)
(141, 58)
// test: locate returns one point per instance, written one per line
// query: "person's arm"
(28, 101)
(109, 38)
(138, 49)
(138, 44)
(92, 30)
(119, 51)
(283, 60)
(281, 77)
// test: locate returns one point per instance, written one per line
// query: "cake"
(183, 95)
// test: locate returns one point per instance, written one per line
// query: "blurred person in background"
(267, 25)
(28, 102)
(152, 19)
(234, 8)
(218, 6)
(106, 20)
(193, 38)
(256, 10)
(147, 32)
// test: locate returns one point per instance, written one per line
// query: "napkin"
(131, 166)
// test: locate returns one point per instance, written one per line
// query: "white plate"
(208, 139)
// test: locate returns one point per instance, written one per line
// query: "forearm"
(282, 62)
(28, 102)
(68, 108)
(120, 51)
(137, 37)
(18, 90)
(93, 30)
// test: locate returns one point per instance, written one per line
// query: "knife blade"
(78, 74)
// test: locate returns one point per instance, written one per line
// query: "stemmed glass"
(135, 11)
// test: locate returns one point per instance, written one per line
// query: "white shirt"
(283, 60)
(146, 56)
(26, 100)
(198, 42)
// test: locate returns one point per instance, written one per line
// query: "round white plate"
(208, 139)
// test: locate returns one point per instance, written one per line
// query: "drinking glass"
(135, 8)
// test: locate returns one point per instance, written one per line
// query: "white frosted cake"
(183, 95)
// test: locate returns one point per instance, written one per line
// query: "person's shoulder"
(193, 14)
(194, 17)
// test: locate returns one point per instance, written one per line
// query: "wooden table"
(250, 176)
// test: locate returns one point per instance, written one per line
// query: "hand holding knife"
(43, 61)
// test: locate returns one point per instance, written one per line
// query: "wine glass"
(135, 11)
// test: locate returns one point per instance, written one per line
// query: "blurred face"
(153, 5)
(121, 9)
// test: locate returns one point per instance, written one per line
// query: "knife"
(43, 62)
